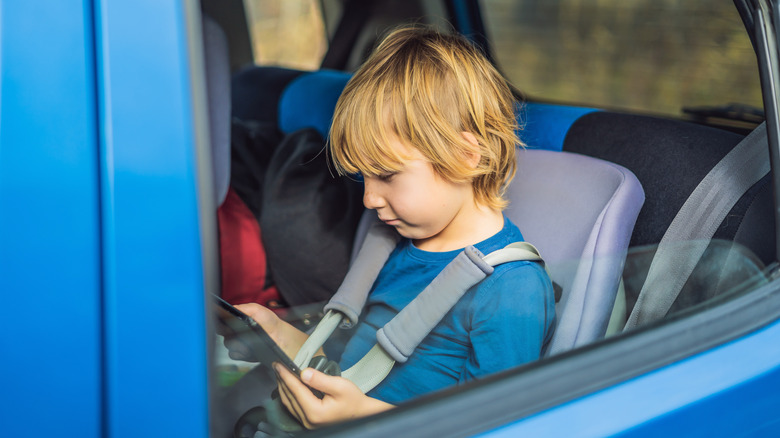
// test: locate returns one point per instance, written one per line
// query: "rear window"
(289, 33)
(650, 56)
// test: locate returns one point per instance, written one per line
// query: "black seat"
(670, 158)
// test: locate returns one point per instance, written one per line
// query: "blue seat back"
(544, 126)
(308, 102)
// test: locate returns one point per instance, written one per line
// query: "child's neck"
(470, 226)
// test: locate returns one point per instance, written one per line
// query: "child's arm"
(342, 400)
(289, 338)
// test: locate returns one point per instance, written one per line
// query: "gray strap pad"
(400, 336)
(353, 292)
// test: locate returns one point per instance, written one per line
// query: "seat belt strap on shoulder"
(696, 223)
(317, 338)
(371, 369)
(399, 337)
(514, 252)
(406, 330)
(345, 306)
(351, 296)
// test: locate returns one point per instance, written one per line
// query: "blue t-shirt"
(500, 323)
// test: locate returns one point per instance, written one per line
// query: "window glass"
(289, 33)
(646, 55)
(243, 393)
(687, 54)
(720, 270)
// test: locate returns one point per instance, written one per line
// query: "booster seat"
(579, 211)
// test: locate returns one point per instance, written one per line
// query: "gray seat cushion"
(579, 212)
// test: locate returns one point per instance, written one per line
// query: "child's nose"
(371, 199)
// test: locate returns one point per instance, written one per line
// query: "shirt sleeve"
(509, 318)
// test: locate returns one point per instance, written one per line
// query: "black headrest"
(670, 158)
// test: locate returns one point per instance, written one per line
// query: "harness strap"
(371, 369)
(317, 338)
(696, 223)
(406, 330)
(514, 252)
(353, 292)
(398, 338)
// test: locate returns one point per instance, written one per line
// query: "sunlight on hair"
(425, 89)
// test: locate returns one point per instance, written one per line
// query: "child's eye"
(386, 176)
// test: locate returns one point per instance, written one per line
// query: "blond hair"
(425, 88)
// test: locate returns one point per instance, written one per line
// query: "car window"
(727, 271)
(723, 270)
(649, 56)
(289, 33)
(685, 56)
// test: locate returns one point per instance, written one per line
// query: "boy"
(429, 124)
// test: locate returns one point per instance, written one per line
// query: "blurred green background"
(653, 56)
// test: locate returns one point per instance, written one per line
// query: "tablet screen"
(235, 323)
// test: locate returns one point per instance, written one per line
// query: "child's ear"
(474, 156)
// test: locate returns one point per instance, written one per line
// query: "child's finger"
(301, 392)
(290, 403)
(290, 397)
(332, 385)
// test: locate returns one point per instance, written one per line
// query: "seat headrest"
(309, 101)
(544, 126)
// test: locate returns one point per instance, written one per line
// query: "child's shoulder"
(527, 274)
(515, 288)
(518, 271)
(530, 271)
(512, 278)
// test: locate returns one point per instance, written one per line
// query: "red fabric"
(243, 259)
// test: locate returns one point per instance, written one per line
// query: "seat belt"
(696, 223)
(397, 339)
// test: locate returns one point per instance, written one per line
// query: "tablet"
(262, 347)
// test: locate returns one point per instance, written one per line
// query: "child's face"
(419, 203)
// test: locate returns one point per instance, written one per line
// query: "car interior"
(602, 193)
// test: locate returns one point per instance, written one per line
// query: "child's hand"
(342, 400)
(283, 333)
(235, 340)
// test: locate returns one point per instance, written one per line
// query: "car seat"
(579, 212)
(242, 257)
(308, 101)
(217, 65)
(256, 90)
(670, 158)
